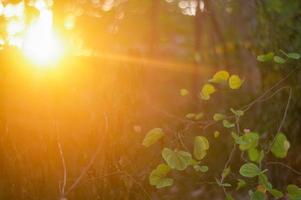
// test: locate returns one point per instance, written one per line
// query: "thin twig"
(85, 170)
(138, 183)
(286, 110)
(283, 119)
(247, 107)
(284, 165)
(64, 170)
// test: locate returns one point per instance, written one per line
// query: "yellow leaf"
(184, 92)
(220, 76)
(207, 90)
(261, 189)
(216, 134)
(201, 145)
(235, 82)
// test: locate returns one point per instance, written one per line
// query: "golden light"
(41, 45)
(37, 40)
(43, 48)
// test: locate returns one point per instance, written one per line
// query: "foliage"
(247, 141)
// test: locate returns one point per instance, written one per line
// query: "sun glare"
(41, 44)
(42, 47)
(37, 40)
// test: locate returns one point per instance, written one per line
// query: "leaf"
(261, 188)
(226, 172)
(222, 184)
(184, 92)
(235, 137)
(279, 60)
(255, 155)
(178, 160)
(295, 56)
(226, 185)
(190, 115)
(249, 170)
(263, 180)
(248, 141)
(152, 137)
(220, 76)
(202, 168)
(280, 146)
(235, 82)
(229, 197)
(201, 145)
(237, 113)
(207, 90)
(276, 193)
(158, 176)
(218, 117)
(199, 116)
(240, 184)
(265, 57)
(228, 124)
(257, 195)
(294, 192)
(165, 182)
(216, 134)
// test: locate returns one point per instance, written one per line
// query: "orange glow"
(40, 43)
(37, 40)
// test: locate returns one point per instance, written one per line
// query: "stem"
(85, 170)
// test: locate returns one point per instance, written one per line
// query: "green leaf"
(265, 57)
(199, 116)
(229, 197)
(279, 60)
(201, 145)
(280, 146)
(207, 90)
(240, 184)
(226, 185)
(294, 192)
(248, 141)
(237, 113)
(235, 82)
(201, 168)
(220, 76)
(236, 137)
(295, 56)
(158, 176)
(222, 184)
(257, 195)
(178, 160)
(249, 170)
(184, 92)
(190, 115)
(226, 172)
(152, 137)
(228, 124)
(276, 193)
(263, 180)
(255, 155)
(218, 117)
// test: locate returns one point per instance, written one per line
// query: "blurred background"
(71, 68)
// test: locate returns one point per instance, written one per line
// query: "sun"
(38, 41)
(40, 44)
(42, 47)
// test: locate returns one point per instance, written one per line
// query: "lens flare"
(40, 43)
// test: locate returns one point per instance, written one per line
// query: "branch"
(62, 190)
(85, 170)
(284, 165)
